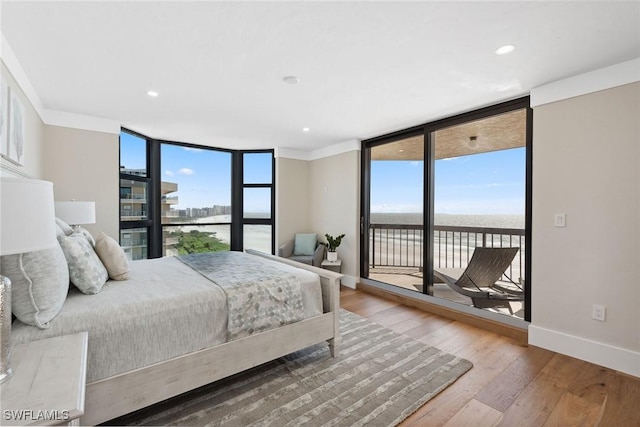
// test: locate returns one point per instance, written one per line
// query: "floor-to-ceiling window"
(178, 198)
(195, 199)
(258, 201)
(434, 193)
(135, 190)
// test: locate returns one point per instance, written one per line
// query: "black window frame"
(153, 178)
(427, 129)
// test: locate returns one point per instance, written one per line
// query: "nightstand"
(332, 265)
(48, 382)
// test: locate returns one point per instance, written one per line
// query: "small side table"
(48, 382)
(332, 265)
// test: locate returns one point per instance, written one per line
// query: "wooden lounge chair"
(478, 280)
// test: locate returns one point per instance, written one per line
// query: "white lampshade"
(27, 217)
(76, 213)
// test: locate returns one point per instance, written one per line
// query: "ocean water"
(404, 248)
(492, 221)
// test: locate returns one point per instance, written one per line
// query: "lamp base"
(5, 329)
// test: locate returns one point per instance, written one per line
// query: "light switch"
(559, 220)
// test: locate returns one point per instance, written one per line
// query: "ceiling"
(499, 132)
(365, 68)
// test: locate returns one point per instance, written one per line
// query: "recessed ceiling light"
(152, 93)
(503, 50)
(292, 80)
(305, 129)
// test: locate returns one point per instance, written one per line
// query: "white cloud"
(168, 173)
(186, 171)
(191, 149)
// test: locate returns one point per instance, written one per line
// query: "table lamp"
(76, 213)
(27, 224)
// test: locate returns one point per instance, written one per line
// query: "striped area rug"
(380, 378)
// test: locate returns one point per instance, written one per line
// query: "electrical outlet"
(598, 312)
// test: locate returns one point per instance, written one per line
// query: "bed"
(137, 356)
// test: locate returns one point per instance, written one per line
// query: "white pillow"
(39, 285)
(112, 256)
(66, 228)
(85, 268)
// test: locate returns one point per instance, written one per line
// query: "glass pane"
(396, 231)
(134, 243)
(479, 199)
(133, 154)
(257, 237)
(258, 168)
(257, 203)
(196, 185)
(133, 200)
(182, 240)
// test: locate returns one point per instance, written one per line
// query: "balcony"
(131, 243)
(169, 200)
(132, 215)
(396, 255)
(133, 198)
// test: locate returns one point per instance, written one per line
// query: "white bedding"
(166, 309)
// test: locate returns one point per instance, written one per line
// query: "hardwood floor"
(510, 384)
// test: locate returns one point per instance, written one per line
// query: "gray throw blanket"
(260, 295)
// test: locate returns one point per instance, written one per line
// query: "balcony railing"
(401, 245)
(126, 197)
(133, 242)
(132, 213)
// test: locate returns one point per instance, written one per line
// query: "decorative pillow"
(112, 256)
(66, 228)
(85, 269)
(305, 243)
(39, 285)
(87, 235)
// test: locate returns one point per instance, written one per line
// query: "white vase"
(332, 256)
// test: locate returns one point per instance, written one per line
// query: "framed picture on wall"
(16, 129)
(4, 117)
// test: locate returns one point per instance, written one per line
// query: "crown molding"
(321, 153)
(583, 84)
(20, 76)
(80, 121)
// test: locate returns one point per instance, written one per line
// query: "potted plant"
(332, 244)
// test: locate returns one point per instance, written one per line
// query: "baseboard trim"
(349, 281)
(599, 353)
(518, 334)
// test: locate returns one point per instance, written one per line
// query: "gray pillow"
(87, 235)
(85, 268)
(305, 243)
(112, 256)
(39, 285)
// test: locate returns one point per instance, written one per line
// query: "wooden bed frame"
(121, 394)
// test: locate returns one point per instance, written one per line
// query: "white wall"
(34, 128)
(335, 206)
(292, 199)
(84, 165)
(586, 162)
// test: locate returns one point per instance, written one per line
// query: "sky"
(480, 184)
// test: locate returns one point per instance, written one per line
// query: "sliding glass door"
(434, 193)
(395, 220)
(479, 200)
